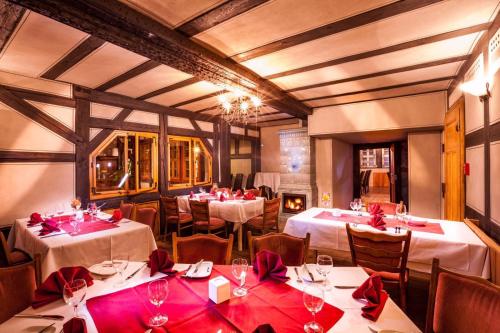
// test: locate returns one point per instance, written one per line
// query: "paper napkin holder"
(219, 289)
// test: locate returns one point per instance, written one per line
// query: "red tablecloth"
(390, 222)
(189, 308)
(88, 226)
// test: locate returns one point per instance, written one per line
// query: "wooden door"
(454, 162)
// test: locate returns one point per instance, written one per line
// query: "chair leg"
(402, 296)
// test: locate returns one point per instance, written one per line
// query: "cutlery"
(299, 280)
(187, 270)
(52, 235)
(197, 266)
(309, 272)
(53, 317)
(136, 271)
(346, 287)
(376, 330)
(45, 328)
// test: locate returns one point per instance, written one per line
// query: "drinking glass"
(120, 265)
(359, 205)
(74, 293)
(400, 214)
(92, 210)
(324, 265)
(158, 293)
(239, 270)
(314, 298)
(353, 205)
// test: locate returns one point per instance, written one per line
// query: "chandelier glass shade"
(238, 107)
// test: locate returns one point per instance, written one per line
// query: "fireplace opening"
(294, 203)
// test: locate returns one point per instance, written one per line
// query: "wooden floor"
(379, 194)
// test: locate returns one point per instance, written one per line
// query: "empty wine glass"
(358, 205)
(158, 293)
(120, 265)
(314, 298)
(92, 210)
(74, 293)
(324, 265)
(353, 206)
(239, 270)
(401, 214)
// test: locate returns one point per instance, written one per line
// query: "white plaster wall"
(205, 126)
(324, 172)
(104, 111)
(179, 122)
(474, 183)
(495, 99)
(143, 117)
(270, 147)
(474, 114)
(495, 181)
(454, 96)
(342, 166)
(237, 130)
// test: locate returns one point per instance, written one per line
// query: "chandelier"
(237, 106)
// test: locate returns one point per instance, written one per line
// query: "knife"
(197, 267)
(136, 271)
(346, 287)
(52, 235)
(308, 272)
(51, 317)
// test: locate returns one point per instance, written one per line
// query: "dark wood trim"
(495, 132)
(278, 122)
(215, 156)
(409, 84)
(122, 125)
(136, 198)
(82, 179)
(11, 16)
(171, 87)
(471, 213)
(384, 50)
(388, 72)
(189, 132)
(224, 153)
(241, 156)
(243, 137)
(217, 15)
(28, 156)
(475, 138)
(103, 135)
(207, 109)
(163, 154)
(336, 27)
(487, 164)
(40, 117)
(203, 138)
(41, 96)
(73, 57)
(199, 98)
(136, 71)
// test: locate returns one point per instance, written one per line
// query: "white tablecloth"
(271, 179)
(459, 249)
(391, 318)
(130, 238)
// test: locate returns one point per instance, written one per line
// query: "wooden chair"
(10, 257)
(361, 180)
(461, 304)
(127, 209)
(250, 181)
(202, 221)
(293, 250)
(191, 249)
(388, 207)
(146, 215)
(266, 192)
(366, 181)
(268, 221)
(238, 182)
(173, 216)
(383, 254)
(17, 287)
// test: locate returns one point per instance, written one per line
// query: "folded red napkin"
(117, 215)
(52, 288)
(269, 264)
(75, 325)
(222, 197)
(159, 261)
(249, 196)
(238, 193)
(372, 291)
(417, 223)
(377, 220)
(191, 195)
(35, 218)
(264, 328)
(48, 226)
(212, 191)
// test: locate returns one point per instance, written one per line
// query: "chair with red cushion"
(293, 250)
(191, 249)
(126, 209)
(461, 304)
(10, 257)
(383, 254)
(268, 221)
(173, 216)
(255, 191)
(202, 221)
(389, 208)
(146, 215)
(17, 287)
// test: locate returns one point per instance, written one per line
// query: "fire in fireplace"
(294, 203)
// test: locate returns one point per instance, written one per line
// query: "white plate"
(306, 277)
(204, 270)
(105, 268)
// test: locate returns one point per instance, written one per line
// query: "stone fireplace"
(298, 188)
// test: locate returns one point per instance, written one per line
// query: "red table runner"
(434, 228)
(88, 226)
(189, 308)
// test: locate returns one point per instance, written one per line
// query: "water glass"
(239, 269)
(157, 294)
(314, 298)
(324, 265)
(401, 214)
(74, 293)
(120, 265)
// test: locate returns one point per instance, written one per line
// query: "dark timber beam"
(121, 25)
(207, 143)
(171, 87)
(199, 98)
(82, 179)
(42, 97)
(10, 16)
(385, 50)
(377, 14)
(279, 122)
(104, 133)
(217, 15)
(122, 125)
(138, 70)
(72, 58)
(24, 156)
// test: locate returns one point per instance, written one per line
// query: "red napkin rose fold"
(238, 193)
(35, 218)
(222, 197)
(75, 325)
(212, 191)
(269, 264)
(377, 214)
(159, 261)
(249, 196)
(52, 288)
(372, 291)
(48, 227)
(117, 215)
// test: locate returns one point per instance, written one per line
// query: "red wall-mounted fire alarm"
(467, 169)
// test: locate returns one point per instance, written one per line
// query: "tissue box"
(219, 289)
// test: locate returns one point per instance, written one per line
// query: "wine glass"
(314, 298)
(92, 210)
(324, 265)
(353, 205)
(359, 205)
(158, 293)
(239, 270)
(74, 293)
(120, 266)
(401, 214)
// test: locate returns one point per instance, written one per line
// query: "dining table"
(234, 209)
(108, 308)
(456, 246)
(270, 179)
(98, 239)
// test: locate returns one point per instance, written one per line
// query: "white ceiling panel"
(381, 81)
(102, 65)
(186, 93)
(154, 79)
(203, 104)
(425, 22)
(37, 44)
(279, 19)
(416, 55)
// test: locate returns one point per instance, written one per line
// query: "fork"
(299, 280)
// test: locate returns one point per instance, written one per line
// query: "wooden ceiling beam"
(199, 98)
(384, 50)
(377, 14)
(136, 71)
(279, 122)
(10, 16)
(217, 15)
(121, 25)
(171, 87)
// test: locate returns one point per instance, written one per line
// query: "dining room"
(249, 166)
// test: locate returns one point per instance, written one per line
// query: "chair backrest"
(170, 207)
(366, 180)
(293, 250)
(191, 249)
(4, 251)
(379, 251)
(238, 182)
(200, 210)
(387, 207)
(250, 181)
(461, 304)
(126, 209)
(266, 192)
(17, 287)
(271, 211)
(362, 177)
(146, 215)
